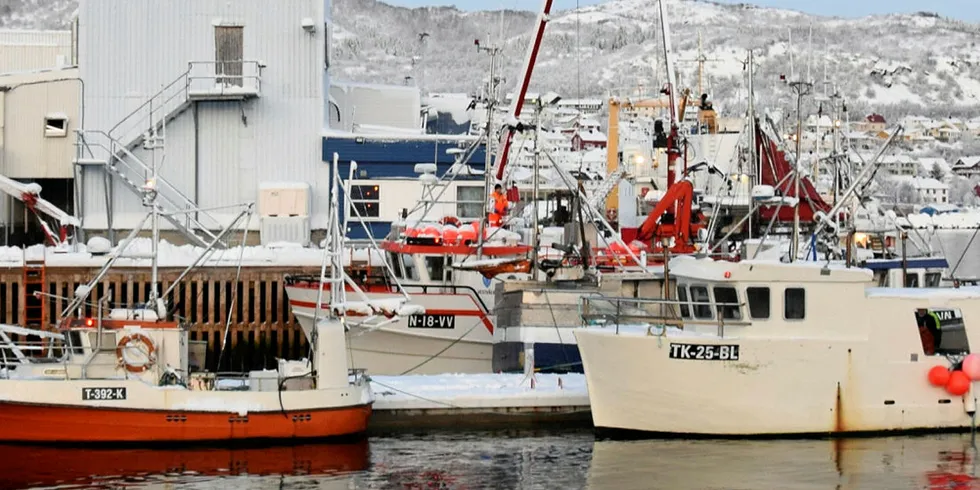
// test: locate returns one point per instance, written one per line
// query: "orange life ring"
(150, 353)
(450, 220)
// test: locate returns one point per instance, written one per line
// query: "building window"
(365, 201)
(469, 202)
(56, 126)
(758, 302)
(794, 304)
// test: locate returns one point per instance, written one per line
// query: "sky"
(968, 10)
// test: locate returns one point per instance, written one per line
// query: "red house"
(588, 140)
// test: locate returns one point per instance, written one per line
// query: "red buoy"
(959, 383)
(939, 375)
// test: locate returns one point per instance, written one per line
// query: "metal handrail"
(116, 148)
(150, 100)
(257, 77)
(672, 318)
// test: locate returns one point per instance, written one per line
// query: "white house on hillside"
(931, 191)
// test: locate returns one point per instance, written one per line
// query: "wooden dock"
(262, 326)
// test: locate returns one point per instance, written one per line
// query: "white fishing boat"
(768, 348)
(126, 376)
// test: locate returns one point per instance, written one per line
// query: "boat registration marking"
(103, 393)
(432, 321)
(703, 352)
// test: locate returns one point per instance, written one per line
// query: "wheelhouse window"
(727, 300)
(366, 200)
(408, 262)
(701, 303)
(469, 202)
(933, 279)
(912, 280)
(794, 303)
(941, 331)
(436, 267)
(682, 299)
(759, 303)
(395, 266)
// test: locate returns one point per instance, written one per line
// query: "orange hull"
(27, 422)
(30, 466)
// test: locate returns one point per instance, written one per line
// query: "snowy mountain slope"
(895, 64)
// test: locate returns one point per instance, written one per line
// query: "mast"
(672, 152)
(534, 193)
(753, 166)
(493, 50)
(802, 88)
(532, 54)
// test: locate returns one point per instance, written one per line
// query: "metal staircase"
(607, 186)
(145, 127)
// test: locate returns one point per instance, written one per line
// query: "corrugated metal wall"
(27, 152)
(22, 50)
(127, 52)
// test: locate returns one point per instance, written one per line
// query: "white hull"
(401, 347)
(776, 387)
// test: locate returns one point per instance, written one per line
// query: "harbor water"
(528, 460)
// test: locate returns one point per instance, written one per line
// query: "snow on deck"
(170, 255)
(481, 391)
(972, 292)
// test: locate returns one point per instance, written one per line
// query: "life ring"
(612, 214)
(150, 353)
(450, 220)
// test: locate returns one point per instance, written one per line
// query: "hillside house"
(589, 140)
(872, 123)
(899, 165)
(930, 191)
(967, 166)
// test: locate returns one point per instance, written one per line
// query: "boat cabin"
(815, 300)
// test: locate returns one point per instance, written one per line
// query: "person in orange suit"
(499, 207)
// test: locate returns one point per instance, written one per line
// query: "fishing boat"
(455, 332)
(762, 348)
(126, 376)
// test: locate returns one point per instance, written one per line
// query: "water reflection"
(518, 459)
(31, 466)
(945, 462)
(512, 460)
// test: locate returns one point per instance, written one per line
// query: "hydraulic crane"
(30, 195)
(674, 218)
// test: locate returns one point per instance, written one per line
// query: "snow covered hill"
(894, 64)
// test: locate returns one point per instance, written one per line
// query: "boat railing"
(16, 348)
(596, 309)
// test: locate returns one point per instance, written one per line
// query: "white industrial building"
(26, 50)
(235, 92)
(39, 112)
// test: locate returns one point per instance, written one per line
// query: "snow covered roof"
(595, 136)
(922, 183)
(967, 162)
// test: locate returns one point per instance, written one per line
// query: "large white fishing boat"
(769, 348)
